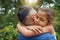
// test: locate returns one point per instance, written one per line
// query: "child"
(45, 17)
(40, 23)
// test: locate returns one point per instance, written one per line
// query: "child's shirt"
(45, 36)
(54, 35)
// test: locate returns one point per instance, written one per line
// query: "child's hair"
(23, 12)
(49, 12)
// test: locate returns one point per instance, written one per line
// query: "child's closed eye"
(41, 19)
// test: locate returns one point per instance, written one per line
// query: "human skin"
(34, 29)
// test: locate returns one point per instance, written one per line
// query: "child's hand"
(36, 29)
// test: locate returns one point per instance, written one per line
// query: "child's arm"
(33, 30)
(45, 29)
(24, 31)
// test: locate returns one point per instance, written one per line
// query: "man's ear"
(24, 22)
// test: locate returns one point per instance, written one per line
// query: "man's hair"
(49, 12)
(23, 12)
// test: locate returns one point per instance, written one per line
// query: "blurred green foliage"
(8, 17)
(8, 33)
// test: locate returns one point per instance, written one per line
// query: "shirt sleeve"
(54, 35)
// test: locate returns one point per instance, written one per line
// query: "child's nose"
(36, 20)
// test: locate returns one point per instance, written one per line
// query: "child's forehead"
(41, 13)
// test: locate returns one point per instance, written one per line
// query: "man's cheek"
(31, 20)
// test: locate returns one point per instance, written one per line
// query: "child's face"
(40, 19)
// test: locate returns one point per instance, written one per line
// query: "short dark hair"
(49, 12)
(22, 13)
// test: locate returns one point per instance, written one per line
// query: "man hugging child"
(35, 25)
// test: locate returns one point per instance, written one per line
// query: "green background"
(8, 18)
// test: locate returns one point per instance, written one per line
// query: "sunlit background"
(30, 2)
(8, 17)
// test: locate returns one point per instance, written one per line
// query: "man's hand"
(36, 29)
